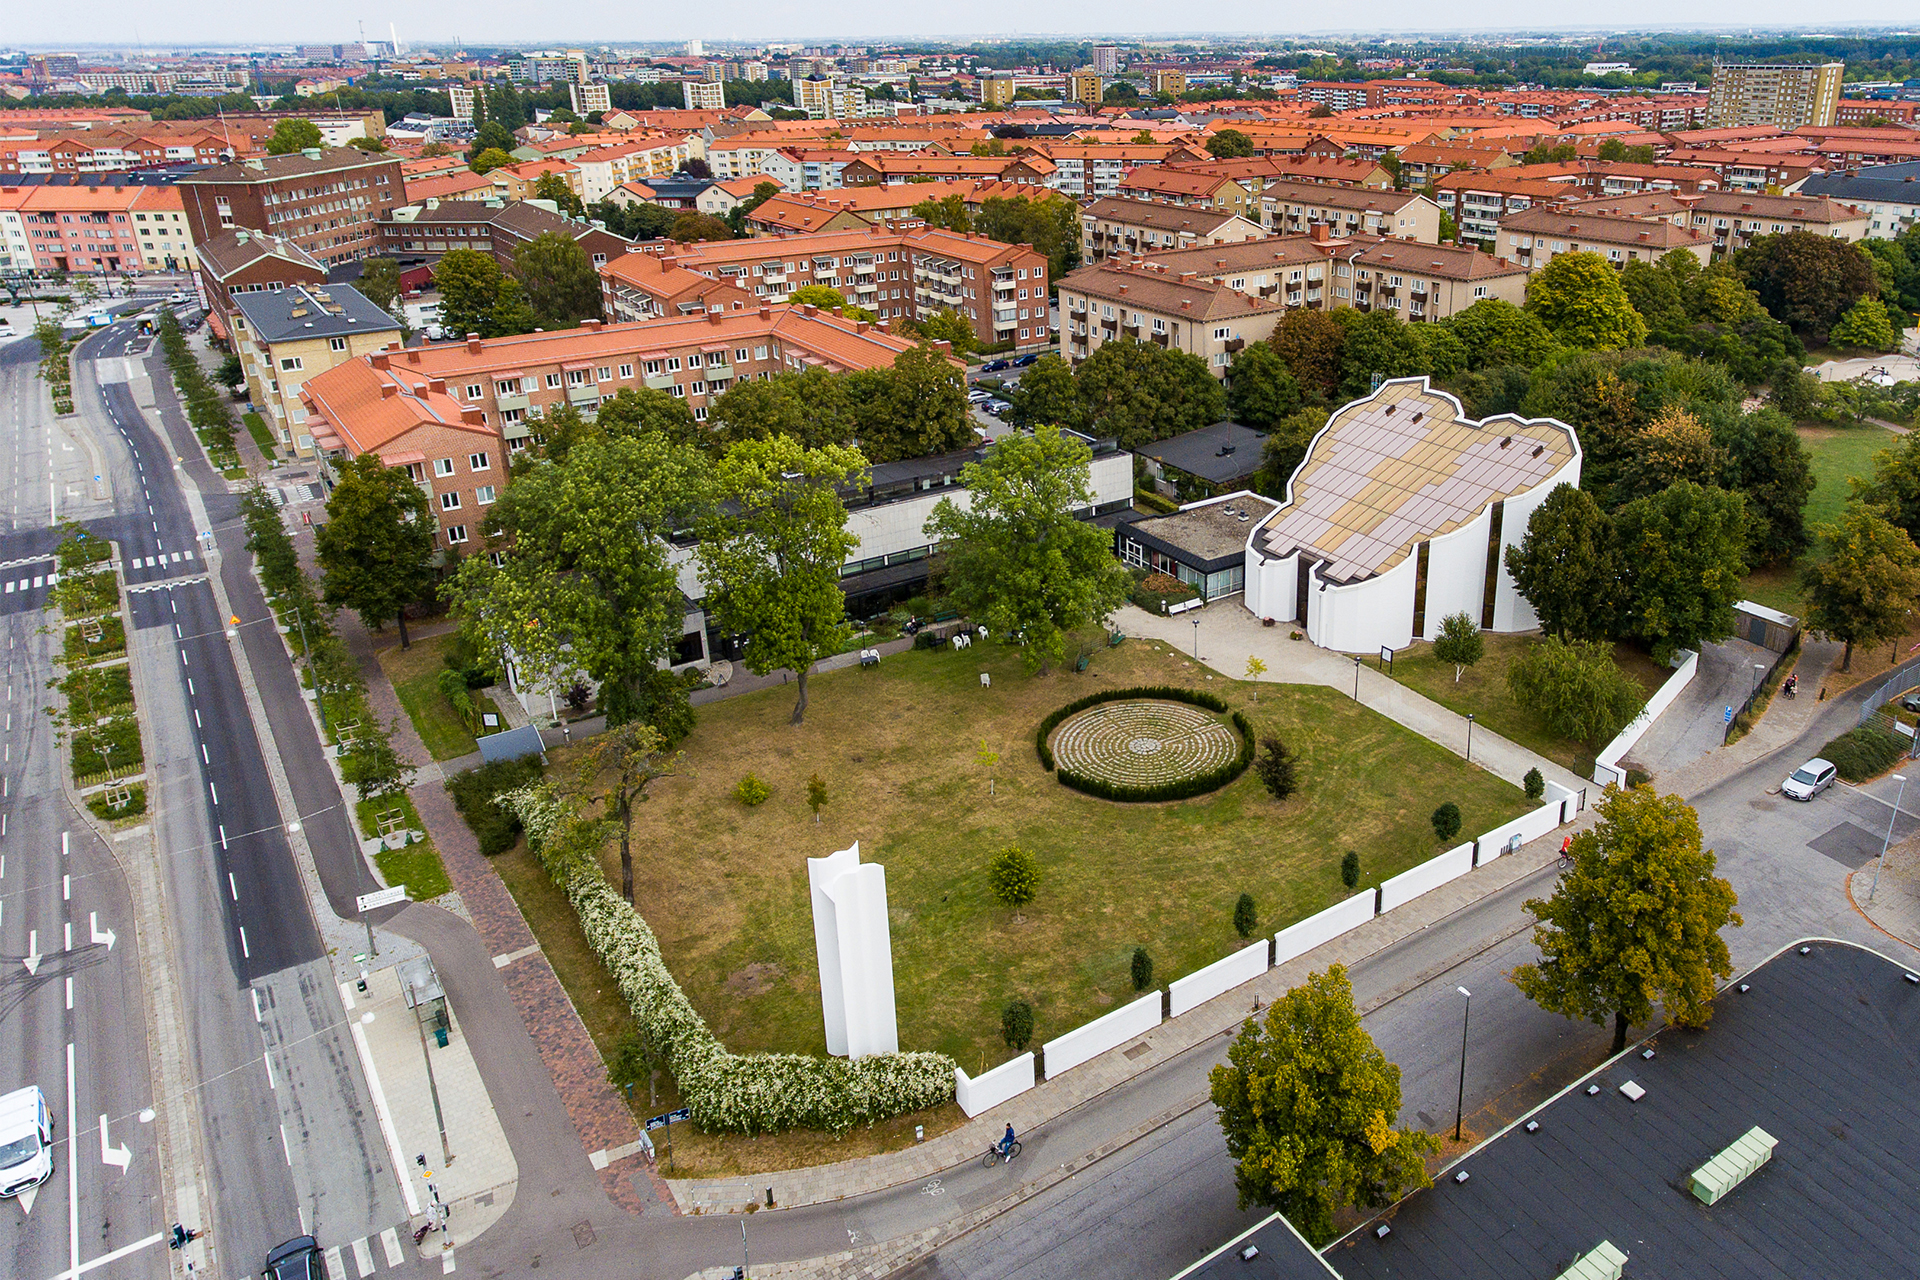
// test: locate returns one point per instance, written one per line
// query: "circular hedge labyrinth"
(1143, 743)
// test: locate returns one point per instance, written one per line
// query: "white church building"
(1399, 515)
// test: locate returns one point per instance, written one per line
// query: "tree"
(1277, 768)
(1260, 388)
(1051, 225)
(1139, 392)
(637, 756)
(1255, 667)
(1765, 460)
(1868, 325)
(1140, 969)
(1016, 1025)
(1245, 918)
(1378, 342)
(1895, 484)
(1459, 642)
(470, 284)
(376, 145)
(1534, 784)
(1578, 297)
(1310, 342)
(1013, 876)
(816, 795)
(1865, 586)
(1804, 280)
(637, 1056)
(1496, 332)
(1446, 821)
(373, 765)
(949, 213)
(376, 547)
(489, 159)
(771, 550)
(1567, 567)
(293, 134)
(1229, 144)
(1018, 560)
(1576, 688)
(1350, 869)
(1307, 1103)
(691, 226)
(585, 583)
(551, 186)
(1635, 921)
(1676, 445)
(1047, 395)
(635, 412)
(231, 372)
(560, 283)
(1286, 448)
(949, 326)
(1685, 553)
(810, 405)
(986, 757)
(379, 282)
(915, 409)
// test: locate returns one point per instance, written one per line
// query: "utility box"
(1731, 1167)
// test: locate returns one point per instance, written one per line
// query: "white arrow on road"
(93, 923)
(26, 1199)
(33, 953)
(113, 1155)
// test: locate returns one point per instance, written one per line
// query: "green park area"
(1835, 455)
(418, 675)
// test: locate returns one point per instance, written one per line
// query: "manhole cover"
(1136, 1051)
(582, 1234)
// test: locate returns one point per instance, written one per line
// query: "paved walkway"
(1696, 723)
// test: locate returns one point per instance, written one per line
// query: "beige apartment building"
(1115, 225)
(1536, 237)
(1787, 94)
(285, 336)
(1293, 208)
(1148, 303)
(1735, 219)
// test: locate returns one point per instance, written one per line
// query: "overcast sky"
(228, 22)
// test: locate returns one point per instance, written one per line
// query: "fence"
(1429, 875)
(1763, 685)
(1891, 686)
(1606, 767)
(1008, 1080)
(1218, 978)
(1303, 936)
(1109, 1031)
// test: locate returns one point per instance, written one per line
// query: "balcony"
(658, 381)
(1160, 339)
(1236, 344)
(1131, 330)
(719, 368)
(583, 391)
(507, 403)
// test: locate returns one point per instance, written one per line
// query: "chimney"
(714, 315)
(860, 326)
(437, 386)
(1186, 304)
(593, 325)
(766, 312)
(1319, 232)
(381, 359)
(810, 309)
(473, 415)
(473, 344)
(388, 391)
(413, 355)
(1188, 277)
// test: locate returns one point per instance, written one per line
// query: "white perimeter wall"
(1457, 573)
(1008, 1080)
(1303, 936)
(1221, 976)
(1528, 826)
(1103, 1033)
(1429, 875)
(1271, 585)
(1606, 766)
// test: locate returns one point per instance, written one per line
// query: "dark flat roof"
(1889, 183)
(1198, 452)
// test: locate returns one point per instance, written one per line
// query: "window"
(678, 390)
(477, 462)
(695, 360)
(509, 387)
(336, 344)
(553, 381)
(673, 364)
(1220, 358)
(699, 388)
(484, 495)
(1159, 325)
(759, 353)
(290, 364)
(700, 413)
(416, 472)
(1479, 291)
(450, 501)
(474, 390)
(626, 371)
(1222, 333)
(606, 374)
(443, 466)
(456, 534)
(741, 355)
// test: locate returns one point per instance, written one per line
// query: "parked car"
(26, 1140)
(176, 298)
(1809, 780)
(995, 366)
(979, 396)
(298, 1259)
(998, 407)
(1911, 702)
(1021, 362)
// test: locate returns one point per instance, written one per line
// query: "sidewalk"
(1784, 720)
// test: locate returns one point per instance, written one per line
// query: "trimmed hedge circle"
(1155, 744)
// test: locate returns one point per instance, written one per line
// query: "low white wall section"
(1567, 798)
(1528, 826)
(1218, 978)
(1456, 573)
(1008, 1080)
(1103, 1033)
(1429, 875)
(1606, 766)
(1303, 936)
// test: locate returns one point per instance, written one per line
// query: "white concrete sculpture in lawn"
(855, 947)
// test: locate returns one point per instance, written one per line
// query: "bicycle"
(995, 1153)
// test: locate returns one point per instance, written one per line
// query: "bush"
(1013, 876)
(1350, 869)
(1277, 768)
(1576, 688)
(1536, 786)
(1245, 918)
(1016, 1025)
(1142, 969)
(476, 793)
(112, 746)
(1179, 788)
(1865, 752)
(751, 791)
(136, 805)
(1155, 591)
(1446, 821)
(1166, 692)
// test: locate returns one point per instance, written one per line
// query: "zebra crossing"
(164, 558)
(362, 1254)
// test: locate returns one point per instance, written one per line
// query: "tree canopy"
(1261, 390)
(376, 547)
(1577, 688)
(1567, 567)
(1685, 553)
(1578, 297)
(1865, 585)
(476, 297)
(1140, 392)
(1229, 144)
(560, 284)
(292, 134)
(1805, 280)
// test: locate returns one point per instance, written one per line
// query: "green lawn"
(1838, 454)
(415, 673)
(262, 434)
(417, 866)
(1482, 692)
(725, 886)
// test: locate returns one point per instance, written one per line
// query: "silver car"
(1809, 780)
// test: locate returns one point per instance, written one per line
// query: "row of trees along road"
(1308, 1102)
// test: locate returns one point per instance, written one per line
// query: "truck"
(26, 1140)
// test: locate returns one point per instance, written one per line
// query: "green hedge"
(122, 734)
(135, 807)
(1163, 692)
(1864, 752)
(1180, 789)
(476, 793)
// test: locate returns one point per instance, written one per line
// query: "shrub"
(1638, 777)
(1245, 917)
(1350, 869)
(1013, 876)
(1862, 753)
(1276, 768)
(1536, 786)
(1142, 969)
(1155, 591)
(1166, 692)
(135, 806)
(751, 791)
(1576, 688)
(1446, 821)
(476, 793)
(1178, 788)
(1016, 1025)
(112, 746)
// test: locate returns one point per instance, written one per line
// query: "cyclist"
(1006, 1142)
(1566, 850)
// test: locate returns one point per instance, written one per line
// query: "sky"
(229, 22)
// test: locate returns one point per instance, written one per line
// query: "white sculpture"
(855, 948)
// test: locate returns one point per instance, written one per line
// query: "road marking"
(363, 1257)
(73, 1177)
(446, 1263)
(255, 993)
(183, 659)
(245, 950)
(66, 888)
(69, 945)
(232, 888)
(271, 1082)
(196, 719)
(223, 838)
(177, 633)
(69, 993)
(333, 1262)
(203, 754)
(108, 1258)
(216, 792)
(285, 1146)
(66, 843)
(390, 1241)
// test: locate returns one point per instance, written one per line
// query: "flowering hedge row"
(740, 1093)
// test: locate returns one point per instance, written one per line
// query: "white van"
(26, 1140)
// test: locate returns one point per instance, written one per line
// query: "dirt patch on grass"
(755, 980)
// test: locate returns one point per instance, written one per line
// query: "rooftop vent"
(1602, 1262)
(1731, 1167)
(1537, 450)
(1505, 441)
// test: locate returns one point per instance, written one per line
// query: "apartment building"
(1734, 219)
(419, 233)
(1095, 171)
(285, 336)
(242, 261)
(1292, 208)
(1086, 87)
(899, 271)
(1785, 94)
(646, 286)
(1423, 282)
(93, 230)
(326, 202)
(1189, 190)
(1536, 237)
(1888, 194)
(1170, 81)
(1118, 225)
(1255, 172)
(1291, 270)
(1477, 200)
(852, 208)
(822, 98)
(704, 95)
(870, 168)
(1425, 162)
(1181, 312)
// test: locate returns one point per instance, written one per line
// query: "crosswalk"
(361, 1251)
(34, 583)
(153, 562)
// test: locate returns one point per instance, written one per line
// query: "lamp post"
(1356, 677)
(1460, 1099)
(1196, 638)
(1469, 737)
(1758, 669)
(1889, 836)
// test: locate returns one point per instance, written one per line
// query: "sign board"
(489, 719)
(1728, 717)
(384, 898)
(672, 1117)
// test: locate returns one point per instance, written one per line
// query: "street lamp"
(1356, 677)
(1196, 639)
(1460, 1100)
(1889, 836)
(1758, 667)
(1469, 737)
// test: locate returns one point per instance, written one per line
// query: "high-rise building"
(462, 97)
(1789, 95)
(589, 98)
(705, 95)
(996, 90)
(825, 99)
(696, 49)
(1106, 59)
(325, 202)
(1171, 83)
(1086, 87)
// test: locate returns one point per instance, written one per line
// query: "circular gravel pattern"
(1143, 743)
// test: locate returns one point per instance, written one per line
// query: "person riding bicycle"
(1793, 683)
(1566, 847)
(1006, 1141)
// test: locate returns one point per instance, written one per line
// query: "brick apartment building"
(419, 233)
(1115, 225)
(326, 202)
(1734, 219)
(243, 261)
(1148, 303)
(285, 336)
(93, 230)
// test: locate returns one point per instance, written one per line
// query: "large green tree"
(1260, 388)
(1635, 923)
(1578, 297)
(1139, 392)
(771, 550)
(476, 297)
(812, 406)
(560, 284)
(632, 411)
(1379, 343)
(1310, 342)
(1286, 448)
(1894, 486)
(376, 547)
(914, 409)
(1017, 558)
(1865, 585)
(1576, 688)
(1868, 325)
(1495, 332)
(551, 186)
(1047, 394)
(293, 134)
(379, 282)
(1685, 553)
(585, 581)
(1051, 225)
(1805, 280)
(1567, 566)
(949, 326)
(1765, 460)
(1229, 144)
(1307, 1103)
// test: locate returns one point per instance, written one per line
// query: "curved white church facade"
(1400, 514)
